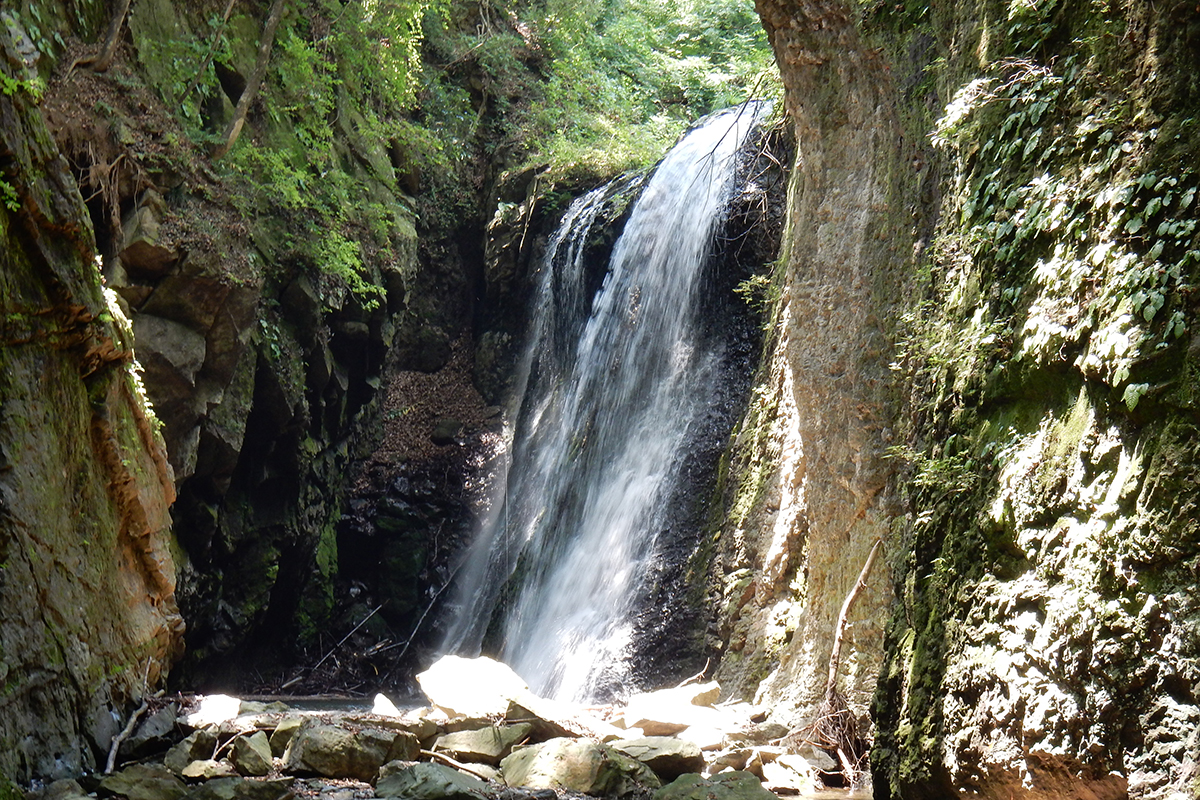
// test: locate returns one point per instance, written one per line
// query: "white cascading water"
(610, 387)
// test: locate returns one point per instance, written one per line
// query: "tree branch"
(256, 78)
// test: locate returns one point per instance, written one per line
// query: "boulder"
(155, 733)
(243, 789)
(578, 766)
(340, 753)
(670, 711)
(283, 734)
(252, 754)
(142, 250)
(427, 781)
(206, 769)
(423, 729)
(726, 786)
(759, 734)
(484, 745)
(61, 790)
(197, 745)
(790, 774)
(667, 756)
(145, 782)
(552, 719)
(472, 687)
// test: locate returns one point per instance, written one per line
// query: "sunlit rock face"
(1032, 247)
(88, 619)
(809, 492)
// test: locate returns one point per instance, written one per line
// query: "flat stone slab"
(427, 781)
(667, 756)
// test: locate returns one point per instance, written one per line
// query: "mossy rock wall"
(1022, 395)
(88, 618)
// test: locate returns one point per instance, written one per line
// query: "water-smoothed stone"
(726, 786)
(667, 756)
(145, 782)
(252, 754)
(578, 766)
(197, 745)
(484, 745)
(426, 781)
(243, 789)
(340, 753)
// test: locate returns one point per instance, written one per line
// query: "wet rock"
(427, 781)
(484, 745)
(667, 756)
(336, 752)
(145, 782)
(726, 786)
(578, 766)
(207, 769)
(252, 754)
(471, 687)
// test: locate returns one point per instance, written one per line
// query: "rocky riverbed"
(482, 736)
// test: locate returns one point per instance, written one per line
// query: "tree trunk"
(256, 78)
(112, 38)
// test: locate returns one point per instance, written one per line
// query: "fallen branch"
(450, 762)
(353, 631)
(839, 636)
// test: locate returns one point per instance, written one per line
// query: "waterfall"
(611, 387)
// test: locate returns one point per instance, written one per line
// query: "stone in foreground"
(145, 782)
(726, 786)
(578, 766)
(485, 745)
(339, 753)
(252, 754)
(667, 756)
(426, 781)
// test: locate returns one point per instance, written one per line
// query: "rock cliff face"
(88, 617)
(808, 489)
(997, 200)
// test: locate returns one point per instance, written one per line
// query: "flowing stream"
(610, 389)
